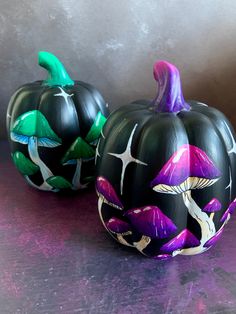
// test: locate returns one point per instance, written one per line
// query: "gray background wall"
(114, 43)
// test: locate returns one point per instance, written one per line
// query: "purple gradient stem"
(169, 96)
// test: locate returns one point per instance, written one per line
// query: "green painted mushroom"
(33, 129)
(25, 166)
(79, 151)
(96, 128)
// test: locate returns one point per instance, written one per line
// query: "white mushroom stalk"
(205, 222)
(120, 238)
(34, 155)
(142, 244)
(77, 175)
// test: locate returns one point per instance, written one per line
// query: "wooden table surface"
(55, 257)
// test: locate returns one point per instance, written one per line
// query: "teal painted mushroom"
(78, 152)
(33, 129)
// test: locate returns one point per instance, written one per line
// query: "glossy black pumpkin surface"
(166, 172)
(53, 128)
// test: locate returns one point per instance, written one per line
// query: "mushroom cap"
(96, 128)
(34, 123)
(188, 168)
(79, 149)
(229, 211)
(214, 239)
(59, 182)
(150, 221)
(107, 192)
(225, 216)
(118, 226)
(183, 240)
(213, 206)
(24, 164)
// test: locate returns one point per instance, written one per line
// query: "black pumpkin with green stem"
(45, 118)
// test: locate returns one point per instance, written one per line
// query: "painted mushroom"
(151, 223)
(225, 218)
(189, 168)
(25, 166)
(33, 129)
(94, 133)
(214, 239)
(120, 228)
(107, 195)
(79, 151)
(181, 242)
(212, 207)
(227, 214)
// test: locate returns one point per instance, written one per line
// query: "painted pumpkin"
(53, 127)
(166, 172)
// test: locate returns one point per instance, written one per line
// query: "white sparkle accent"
(8, 115)
(229, 186)
(127, 158)
(97, 154)
(64, 95)
(233, 149)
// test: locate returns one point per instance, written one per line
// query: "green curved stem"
(57, 74)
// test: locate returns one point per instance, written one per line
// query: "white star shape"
(230, 183)
(64, 95)
(127, 158)
(233, 149)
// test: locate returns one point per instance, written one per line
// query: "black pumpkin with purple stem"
(166, 172)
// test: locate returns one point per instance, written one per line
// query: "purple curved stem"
(169, 97)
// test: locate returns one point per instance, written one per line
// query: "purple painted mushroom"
(120, 228)
(225, 218)
(189, 168)
(106, 194)
(227, 214)
(151, 223)
(214, 239)
(182, 241)
(213, 206)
